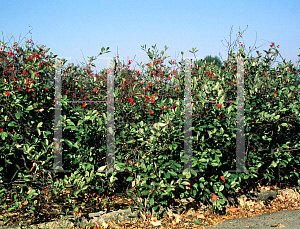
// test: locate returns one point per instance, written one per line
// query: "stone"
(100, 218)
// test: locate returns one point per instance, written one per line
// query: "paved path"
(288, 219)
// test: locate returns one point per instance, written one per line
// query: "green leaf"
(202, 179)
(84, 188)
(274, 164)
(151, 201)
(215, 188)
(145, 192)
(221, 188)
(11, 124)
(227, 186)
(29, 108)
(18, 115)
(173, 173)
(221, 130)
(17, 204)
(8, 161)
(5, 219)
(76, 192)
(185, 183)
(129, 179)
(9, 209)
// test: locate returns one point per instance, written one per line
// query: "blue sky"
(70, 28)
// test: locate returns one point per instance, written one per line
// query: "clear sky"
(73, 28)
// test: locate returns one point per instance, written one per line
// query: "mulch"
(190, 219)
(205, 219)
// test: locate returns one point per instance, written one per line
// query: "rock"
(117, 216)
(62, 223)
(100, 218)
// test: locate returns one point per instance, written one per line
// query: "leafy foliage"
(149, 131)
(209, 60)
